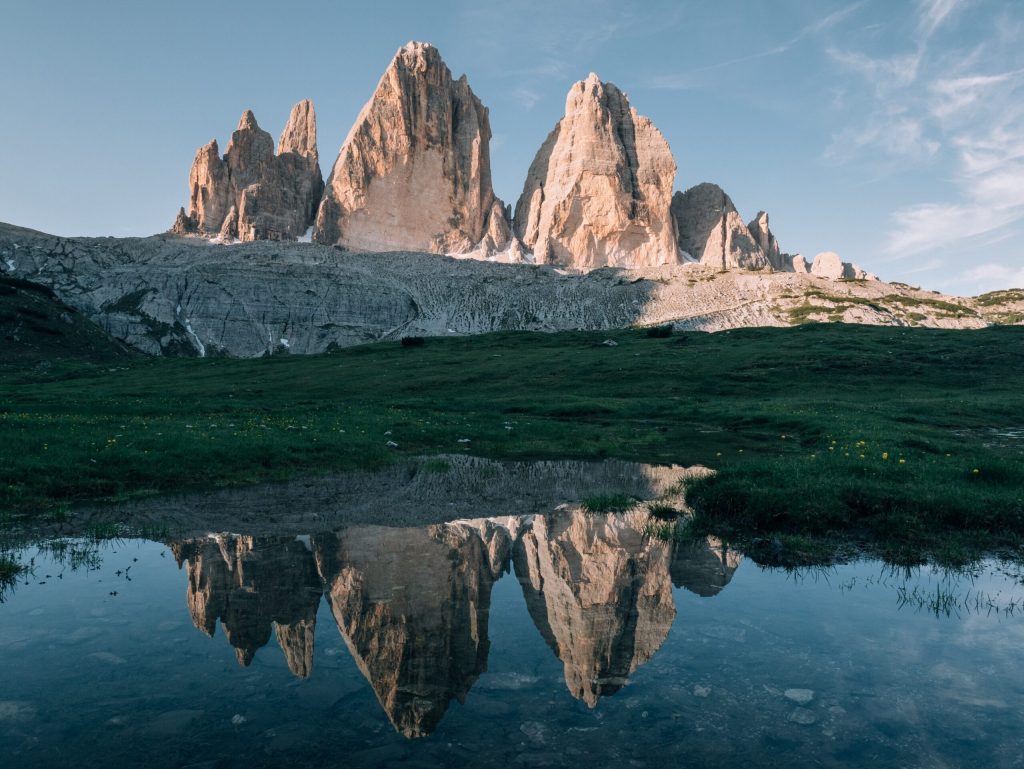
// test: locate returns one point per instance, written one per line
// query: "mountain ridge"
(413, 174)
(172, 295)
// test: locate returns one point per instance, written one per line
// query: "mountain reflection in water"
(486, 582)
(412, 604)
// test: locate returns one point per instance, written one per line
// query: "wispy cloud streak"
(691, 78)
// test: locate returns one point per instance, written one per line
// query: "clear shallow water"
(541, 640)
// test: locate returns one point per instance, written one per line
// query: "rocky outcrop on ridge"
(414, 173)
(800, 265)
(828, 265)
(252, 193)
(599, 190)
(765, 240)
(711, 230)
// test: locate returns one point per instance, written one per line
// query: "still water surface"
(539, 640)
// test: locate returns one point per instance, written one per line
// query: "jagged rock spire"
(251, 193)
(414, 172)
(599, 190)
(762, 235)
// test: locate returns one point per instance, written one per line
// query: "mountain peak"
(248, 122)
(414, 172)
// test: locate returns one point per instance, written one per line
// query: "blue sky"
(890, 131)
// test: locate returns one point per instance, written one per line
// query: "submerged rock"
(799, 696)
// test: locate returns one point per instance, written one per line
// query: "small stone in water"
(534, 731)
(701, 691)
(802, 716)
(799, 696)
(13, 710)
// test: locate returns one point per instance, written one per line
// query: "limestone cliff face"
(600, 593)
(412, 606)
(765, 240)
(712, 232)
(252, 193)
(599, 190)
(250, 584)
(414, 173)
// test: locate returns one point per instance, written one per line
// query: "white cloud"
(957, 97)
(928, 226)
(994, 274)
(932, 13)
(893, 132)
(885, 74)
(929, 266)
(689, 79)
(946, 108)
(555, 69)
(893, 79)
(989, 177)
(983, 153)
(527, 98)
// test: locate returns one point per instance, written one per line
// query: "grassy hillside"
(36, 327)
(885, 432)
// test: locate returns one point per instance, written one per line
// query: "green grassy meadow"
(884, 434)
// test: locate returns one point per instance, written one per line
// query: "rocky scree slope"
(172, 295)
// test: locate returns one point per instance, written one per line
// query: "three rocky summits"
(414, 175)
